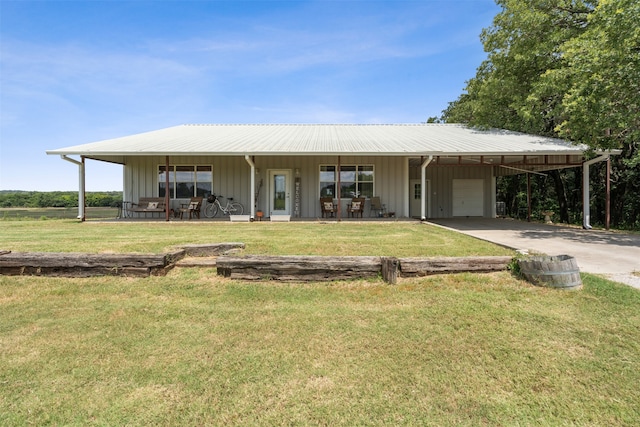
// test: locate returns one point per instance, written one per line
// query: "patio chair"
(327, 207)
(192, 208)
(356, 207)
(377, 206)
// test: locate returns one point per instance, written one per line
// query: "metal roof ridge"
(324, 124)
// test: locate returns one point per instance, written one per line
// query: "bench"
(148, 205)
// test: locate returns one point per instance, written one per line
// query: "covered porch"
(284, 171)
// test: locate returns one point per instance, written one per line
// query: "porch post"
(82, 195)
(252, 179)
(423, 186)
(167, 208)
(339, 192)
(81, 185)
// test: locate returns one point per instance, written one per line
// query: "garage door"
(468, 197)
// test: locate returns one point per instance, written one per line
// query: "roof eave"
(325, 153)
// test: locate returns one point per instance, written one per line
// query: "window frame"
(358, 170)
(173, 180)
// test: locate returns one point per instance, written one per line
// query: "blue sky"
(74, 72)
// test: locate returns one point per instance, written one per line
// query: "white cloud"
(306, 62)
(54, 66)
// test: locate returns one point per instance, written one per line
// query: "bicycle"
(214, 206)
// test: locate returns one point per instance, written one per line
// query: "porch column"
(252, 179)
(586, 212)
(81, 185)
(423, 186)
(167, 208)
(339, 193)
(82, 194)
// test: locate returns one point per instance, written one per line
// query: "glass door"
(280, 192)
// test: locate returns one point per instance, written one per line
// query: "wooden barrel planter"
(559, 271)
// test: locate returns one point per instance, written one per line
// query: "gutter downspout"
(81, 185)
(423, 186)
(586, 214)
(253, 185)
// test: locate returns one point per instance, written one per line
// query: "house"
(418, 170)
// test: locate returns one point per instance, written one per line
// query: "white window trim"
(356, 165)
(172, 168)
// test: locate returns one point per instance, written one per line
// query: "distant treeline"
(57, 199)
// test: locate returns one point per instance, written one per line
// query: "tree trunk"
(561, 194)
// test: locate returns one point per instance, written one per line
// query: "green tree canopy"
(601, 107)
(564, 68)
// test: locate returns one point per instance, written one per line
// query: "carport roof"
(325, 139)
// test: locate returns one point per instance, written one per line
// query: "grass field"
(55, 213)
(296, 238)
(192, 348)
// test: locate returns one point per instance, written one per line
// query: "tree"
(570, 69)
(58, 199)
(524, 43)
(602, 106)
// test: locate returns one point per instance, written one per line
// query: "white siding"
(231, 178)
(387, 180)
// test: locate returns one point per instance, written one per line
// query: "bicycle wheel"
(235, 208)
(211, 210)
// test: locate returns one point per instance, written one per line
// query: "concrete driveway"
(614, 255)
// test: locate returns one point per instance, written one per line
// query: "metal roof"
(324, 139)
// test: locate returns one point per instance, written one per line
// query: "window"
(328, 181)
(185, 181)
(355, 181)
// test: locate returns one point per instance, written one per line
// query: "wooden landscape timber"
(212, 249)
(250, 267)
(298, 268)
(327, 268)
(480, 264)
(70, 264)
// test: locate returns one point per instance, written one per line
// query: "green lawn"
(192, 348)
(407, 238)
